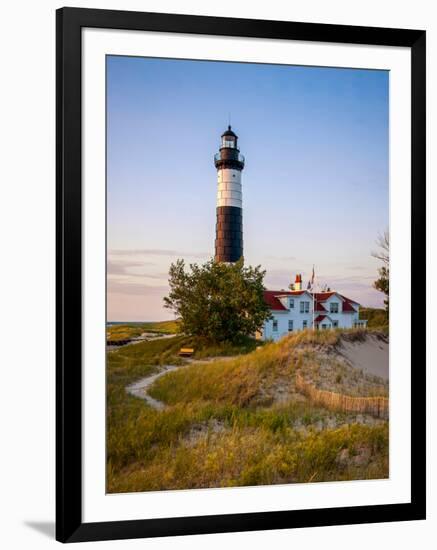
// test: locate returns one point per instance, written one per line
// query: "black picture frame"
(69, 24)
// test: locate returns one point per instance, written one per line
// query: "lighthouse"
(229, 228)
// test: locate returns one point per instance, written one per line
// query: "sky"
(315, 183)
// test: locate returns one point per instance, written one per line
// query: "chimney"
(298, 282)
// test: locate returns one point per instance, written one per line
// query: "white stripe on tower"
(229, 191)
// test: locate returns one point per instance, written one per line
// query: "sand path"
(139, 388)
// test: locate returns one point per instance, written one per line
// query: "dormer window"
(333, 307)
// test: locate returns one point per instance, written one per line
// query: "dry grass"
(260, 456)
(225, 426)
(253, 377)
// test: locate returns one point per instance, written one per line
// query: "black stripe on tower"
(229, 234)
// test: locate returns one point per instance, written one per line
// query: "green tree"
(217, 301)
(383, 254)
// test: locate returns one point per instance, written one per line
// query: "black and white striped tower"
(229, 228)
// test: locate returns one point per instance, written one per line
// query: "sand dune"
(371, 356)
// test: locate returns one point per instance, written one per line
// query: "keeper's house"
(293, 310)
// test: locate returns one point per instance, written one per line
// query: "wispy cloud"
(355, 268)
(136, 289)
(279, 278)
(282, 258)
(158, 252)
(363, 279)
(122, 267)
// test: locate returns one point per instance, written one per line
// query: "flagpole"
(312, 281)
(313, 307)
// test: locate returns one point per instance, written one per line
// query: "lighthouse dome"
(229, 139)
(229, 132)
(229, 154)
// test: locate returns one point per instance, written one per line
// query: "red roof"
(287, 292)
(323, 296)
(270, 297)
(347, 303)
(272, 300)
(347, 306)
(319, 319)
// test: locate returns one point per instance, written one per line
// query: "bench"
(186, 352)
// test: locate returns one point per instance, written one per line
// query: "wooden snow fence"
(376, 406)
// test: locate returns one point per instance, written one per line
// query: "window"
(291, 303)
(275, 325)
(324, 327)
(334, 324)
(304, 307)
(228, 141)
(290, 325)
(333, 308)
(304, 324)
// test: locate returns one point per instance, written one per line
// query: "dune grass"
(243, 379)
(223, 425)
(236, 382)
(126, 331)
(241, 456)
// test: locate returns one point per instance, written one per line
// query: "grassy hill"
(126, 331)
(376, 317)
(239, 421)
